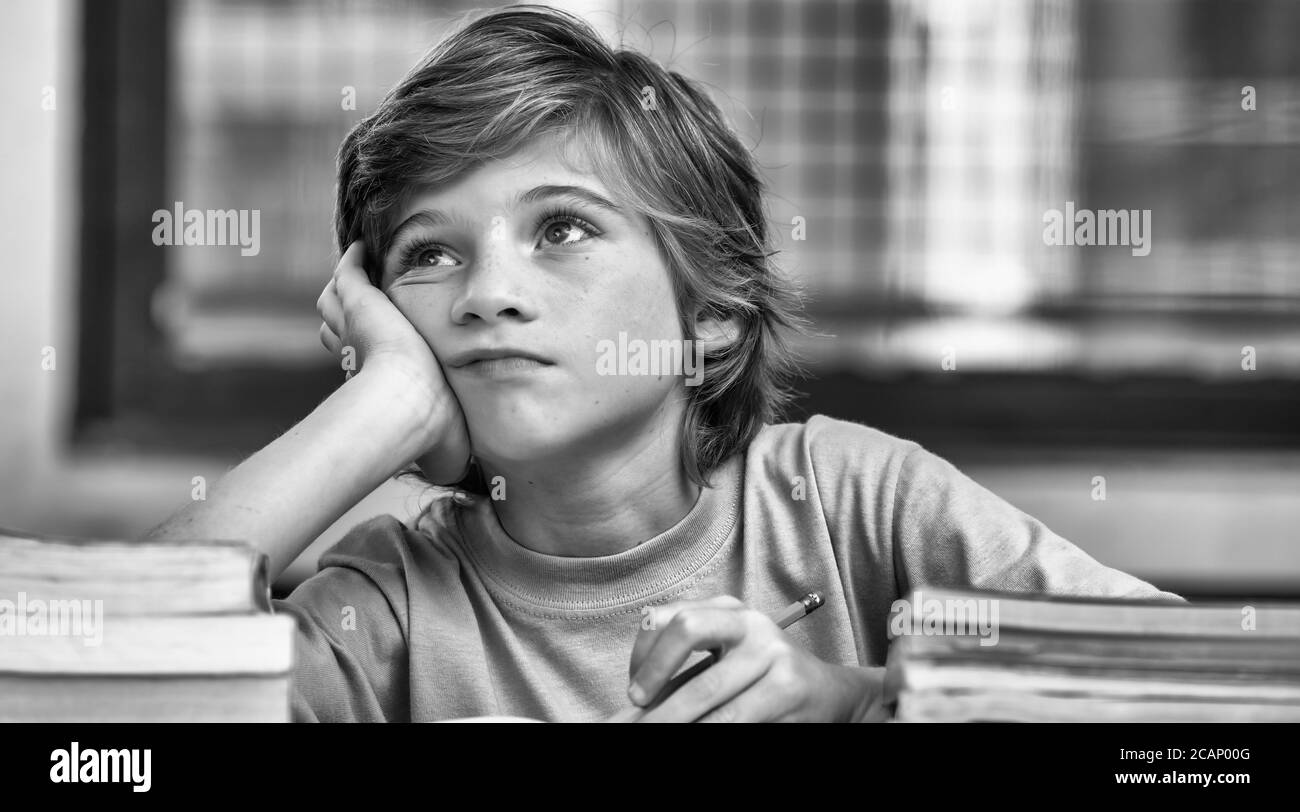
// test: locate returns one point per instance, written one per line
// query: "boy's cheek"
(639, 318)
(413, 298)
(422, 310)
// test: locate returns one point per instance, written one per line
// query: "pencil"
(783, 619)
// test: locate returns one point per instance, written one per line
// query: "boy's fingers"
(655, 619)
(691, 630)
(351, 267)
(330, 341)
(331, 309)
(720, 685)
(750, 704)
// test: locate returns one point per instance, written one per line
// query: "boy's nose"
(496, 283)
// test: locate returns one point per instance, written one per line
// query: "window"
(914, 149)
(229, 107)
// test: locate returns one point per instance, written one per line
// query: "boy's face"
(522, 254)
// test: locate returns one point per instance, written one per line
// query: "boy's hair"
(655, 138)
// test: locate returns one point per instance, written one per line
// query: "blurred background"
(913, 148)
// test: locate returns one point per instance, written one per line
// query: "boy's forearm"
(283, 497)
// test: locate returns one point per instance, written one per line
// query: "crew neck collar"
(583, 584)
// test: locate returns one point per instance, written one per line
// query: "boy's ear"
(714, 332)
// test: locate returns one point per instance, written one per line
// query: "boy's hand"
(760, 677)
(361, 321)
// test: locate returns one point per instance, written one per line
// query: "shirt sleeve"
(350, 657)
(950, 531)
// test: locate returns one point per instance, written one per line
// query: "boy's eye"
(566, 230)
(429, 256)
(557, 229)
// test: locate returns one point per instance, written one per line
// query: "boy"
(510, 207)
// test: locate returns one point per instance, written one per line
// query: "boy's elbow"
(1155, 594)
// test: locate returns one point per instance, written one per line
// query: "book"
(153, 698)
(1234, 655)
(1013, 706)
(164, 644)
(968, 655)
(117, 631)
(1057, 613)
(136, 577)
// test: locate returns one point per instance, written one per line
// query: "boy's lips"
(484, 354)
(511, 366)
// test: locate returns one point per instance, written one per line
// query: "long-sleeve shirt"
(449, 617)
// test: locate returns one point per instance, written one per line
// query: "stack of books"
(963, 655)
(106, 631)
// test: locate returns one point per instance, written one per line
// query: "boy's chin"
(517, 445)
(532, 434)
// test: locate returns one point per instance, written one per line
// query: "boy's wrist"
(389, 402)
(868, 705)
(400, 387)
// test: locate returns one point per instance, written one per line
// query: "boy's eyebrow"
(581, 192)
(437, 217)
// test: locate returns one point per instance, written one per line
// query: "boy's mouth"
(499, 362)
(495, 354)
(499, 367)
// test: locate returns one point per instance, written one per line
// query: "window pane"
(262, 94)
